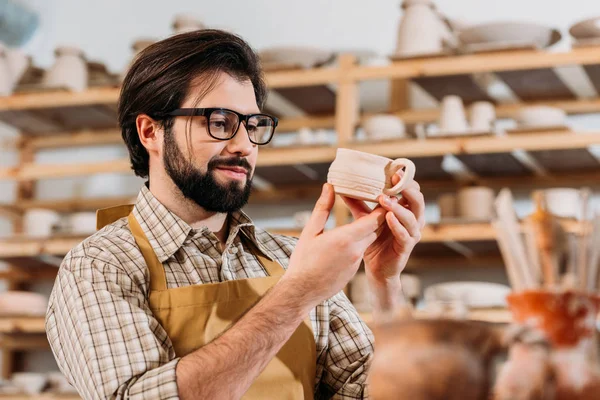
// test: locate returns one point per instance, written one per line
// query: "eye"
(218, 124)
(251, 128)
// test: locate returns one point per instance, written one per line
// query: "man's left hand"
(387, 256)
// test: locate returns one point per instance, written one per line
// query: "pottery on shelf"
(586, 29)
(294, 57)
(70, 70)
(563, 202)
(421, 31)
(38, 222)
(540, 116)
(185, 23)
(384, 126)
(447, 204)
(453, 118)
(482, 115)
(476, 203)
(365, 176)
(13, 64)
(498, 35)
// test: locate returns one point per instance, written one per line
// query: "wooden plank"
(536, 84)
(40, 100)
(321, 154)
(477, 63)
(459, 85)
(77, 138)
(22, 325)
(299, 78)
(24, 342)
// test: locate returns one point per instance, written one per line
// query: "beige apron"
(194, 315)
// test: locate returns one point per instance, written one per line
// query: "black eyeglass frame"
(206, 112)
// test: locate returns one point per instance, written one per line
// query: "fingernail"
(387, 201)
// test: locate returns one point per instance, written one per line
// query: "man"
(181, 296)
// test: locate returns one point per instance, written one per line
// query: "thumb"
(321, 212)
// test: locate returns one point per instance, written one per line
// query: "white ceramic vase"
(69, 70)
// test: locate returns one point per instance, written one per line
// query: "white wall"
(105, 29)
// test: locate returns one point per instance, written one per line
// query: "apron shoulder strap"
(106, 216)
(158, 280)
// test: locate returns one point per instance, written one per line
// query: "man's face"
(216, 174)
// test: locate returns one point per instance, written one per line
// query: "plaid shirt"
(107, 341)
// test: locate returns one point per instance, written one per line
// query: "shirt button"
(233, 250)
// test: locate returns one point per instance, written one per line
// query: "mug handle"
(409, 175)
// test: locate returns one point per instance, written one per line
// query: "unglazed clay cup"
(365, 176)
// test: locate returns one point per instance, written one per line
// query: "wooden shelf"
(434, 233)
(41, 396)
(290, 156)
(22, 325)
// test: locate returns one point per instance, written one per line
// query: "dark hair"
(160, 78)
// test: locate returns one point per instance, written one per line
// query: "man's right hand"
(324, 262)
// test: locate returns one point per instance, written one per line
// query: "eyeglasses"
(223, 123)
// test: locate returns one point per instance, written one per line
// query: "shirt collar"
(167, 233)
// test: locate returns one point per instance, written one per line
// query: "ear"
(149, 132)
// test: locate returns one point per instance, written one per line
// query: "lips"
(239, 170)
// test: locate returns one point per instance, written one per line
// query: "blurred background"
(480, 94)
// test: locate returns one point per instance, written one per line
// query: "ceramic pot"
(476, 203)
(421, 31)
(69, 70)
(380, 127)
(447, 204)
(40, 222)
(453, 119)
(482, 115)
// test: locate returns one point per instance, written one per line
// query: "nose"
(240, 144)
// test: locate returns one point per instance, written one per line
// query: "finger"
(365, 226)
(358, 208)
(321, 212)
(415, 201)
(400, 233)
(405, 216)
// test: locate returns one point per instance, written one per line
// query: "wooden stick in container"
(532, 252)
(507, 222)
(594, 277)
(582, 248)
(510, 262)
(545, 226)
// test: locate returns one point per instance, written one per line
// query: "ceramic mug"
(447, 205)
(482, 115)
(453, 118)
(365, 176)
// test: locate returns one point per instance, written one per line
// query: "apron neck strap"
(158, 279)
(272, 267)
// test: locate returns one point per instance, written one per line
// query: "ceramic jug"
(69, 70)
(13, 64)
(421, 30)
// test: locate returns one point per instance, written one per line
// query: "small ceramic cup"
(447, 205)
(453, 118)
(476, 203)
(365, 176)
(482, 115)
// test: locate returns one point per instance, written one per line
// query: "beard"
(203, 188)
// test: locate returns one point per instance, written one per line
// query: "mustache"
(230, 162)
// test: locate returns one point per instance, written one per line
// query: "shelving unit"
(62, 119)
